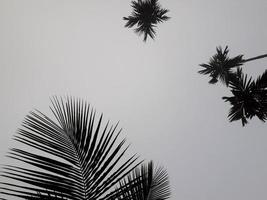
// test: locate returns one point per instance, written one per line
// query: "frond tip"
(146, 15)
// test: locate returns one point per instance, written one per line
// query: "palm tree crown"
(220, 66)
(249, 97)
(146, 14)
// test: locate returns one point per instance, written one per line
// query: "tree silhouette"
(146, 15)
(220, 67)
(83, 162)
(249, 97)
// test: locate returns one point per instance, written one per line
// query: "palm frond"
(145, 183)
(84, 159)
(146, 15)
(220, 66)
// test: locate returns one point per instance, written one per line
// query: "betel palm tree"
(83, 159)
(249, 97)
(221, 67)
(146, 15)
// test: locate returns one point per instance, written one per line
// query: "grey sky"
(167, 111)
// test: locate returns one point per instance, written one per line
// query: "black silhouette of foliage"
(249, 97)
(145, 183)
(146, 15)
(220, 66)
(85, 158)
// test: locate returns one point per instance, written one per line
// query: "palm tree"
(220, 66)
(83, 162)
(249, 97)
(146, 15)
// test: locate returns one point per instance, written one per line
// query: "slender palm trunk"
(255, 58)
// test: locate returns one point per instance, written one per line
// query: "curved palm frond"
(146, 15)
(84, 159)
(249, 97)
(220, 66)
(145, 183)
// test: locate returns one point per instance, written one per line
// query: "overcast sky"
(168, 112)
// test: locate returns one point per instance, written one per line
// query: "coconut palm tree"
(146, 15)
(221, 67)
(249, 97)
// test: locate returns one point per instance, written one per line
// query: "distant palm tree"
(146, 15)
(220, 66)
(249, 97)
(83, 159)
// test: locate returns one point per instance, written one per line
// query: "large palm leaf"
(249, 97)
(84, 161)
(146, 15)
(145, 183)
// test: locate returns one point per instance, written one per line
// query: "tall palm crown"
(146, 15)
(84, 159)
(249, 97)
(220, 66)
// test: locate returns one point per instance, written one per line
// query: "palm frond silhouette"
(220, 67)
(146, 15)
(145, 183)
(249, 97)
(85, 158)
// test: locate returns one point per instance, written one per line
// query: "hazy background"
(168, 112)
